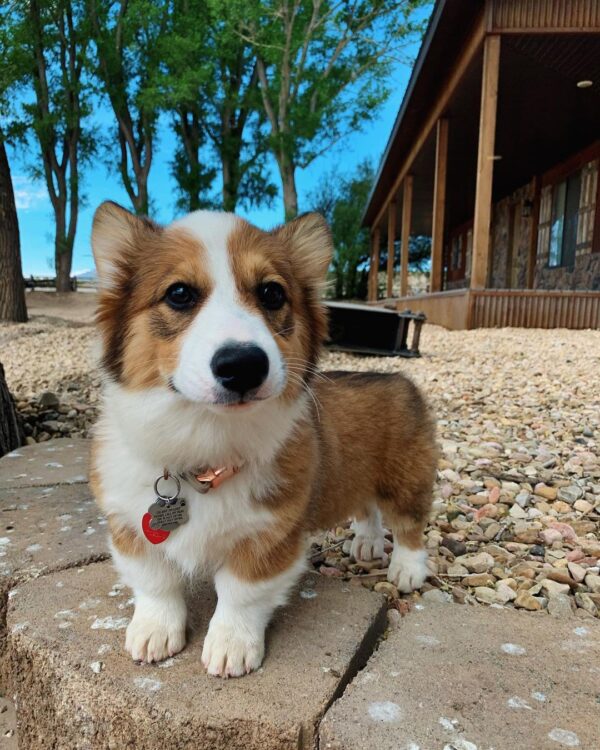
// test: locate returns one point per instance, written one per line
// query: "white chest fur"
(141, 433)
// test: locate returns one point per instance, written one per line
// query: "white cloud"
(28, 194)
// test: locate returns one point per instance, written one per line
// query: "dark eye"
(180, 296)
(271, 295)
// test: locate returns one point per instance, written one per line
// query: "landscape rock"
(553, 588)
(560, 606)
(525, 600)
(592, 581)
(478, 563)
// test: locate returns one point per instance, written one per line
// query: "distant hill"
(89, 275)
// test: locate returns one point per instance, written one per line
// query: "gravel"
(516, 512)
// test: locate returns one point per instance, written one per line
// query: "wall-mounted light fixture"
(585, 84)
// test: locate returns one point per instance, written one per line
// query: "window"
(563, 226)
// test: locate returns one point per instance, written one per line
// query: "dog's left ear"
(310, 244)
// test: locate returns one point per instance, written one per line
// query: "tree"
(341, 200)
(12, 289)
(323, 68)
(126, 37)
(11, 432)
(209, 80)
(53, 37)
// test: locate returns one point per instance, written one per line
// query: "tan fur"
(141, 335)
(298, 327)
(374, 442)
(125, 539)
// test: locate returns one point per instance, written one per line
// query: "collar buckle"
(207, 478)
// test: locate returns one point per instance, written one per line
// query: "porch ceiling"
(543, 117)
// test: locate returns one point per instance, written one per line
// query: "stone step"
(45, 526)
(454, 677)
(63, 461)
(48, 521)
(76, 687)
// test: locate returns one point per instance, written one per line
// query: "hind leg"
(408, 565)
(369, 536)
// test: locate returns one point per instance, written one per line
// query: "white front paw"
(232, 651)
(408, 568)
(367, 547)
(150, 640)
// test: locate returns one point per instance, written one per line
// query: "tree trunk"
(63, 270)
(11, 433)
(12, 289)
(287, 170)
(63, 252)
(231, 181)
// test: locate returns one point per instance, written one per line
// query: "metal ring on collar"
(168, 498)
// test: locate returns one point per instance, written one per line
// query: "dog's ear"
(310, 243)
(116, 237)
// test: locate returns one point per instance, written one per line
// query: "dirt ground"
(75, 307)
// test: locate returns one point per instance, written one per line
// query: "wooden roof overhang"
(543, 116)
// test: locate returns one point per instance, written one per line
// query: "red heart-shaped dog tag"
(154, 536)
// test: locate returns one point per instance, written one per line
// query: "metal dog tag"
(168, 515)
(168, 512)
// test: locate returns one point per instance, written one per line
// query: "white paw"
(231, 651)
(367, 547)
(408, 568)
(150, 640)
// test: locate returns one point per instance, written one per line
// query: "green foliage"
(126, 36)
(208, 80)
(324, 70)
(44, 58)
(342, 200)
(419, 254)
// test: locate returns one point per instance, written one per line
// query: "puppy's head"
(211, 308)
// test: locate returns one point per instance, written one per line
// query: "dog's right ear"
(116, 235)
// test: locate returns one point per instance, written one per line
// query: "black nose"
(240, 367)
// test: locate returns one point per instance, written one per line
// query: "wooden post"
(533, 239)
(485, 162)
(390, 247)
(374, 266)
(439, 205)
(406, 220)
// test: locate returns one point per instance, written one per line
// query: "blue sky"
(35, 212)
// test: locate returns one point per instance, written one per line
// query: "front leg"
(235, 642)
(157, 629)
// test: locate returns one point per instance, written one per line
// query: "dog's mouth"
(225, 400)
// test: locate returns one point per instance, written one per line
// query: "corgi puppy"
(220, 448)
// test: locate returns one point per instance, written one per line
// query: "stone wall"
(585, 274)
(511, 238)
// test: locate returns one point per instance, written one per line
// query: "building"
(495, 154)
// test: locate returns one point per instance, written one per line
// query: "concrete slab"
(455, 677)
(48, 528)
(63, 461)
(77, 688)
